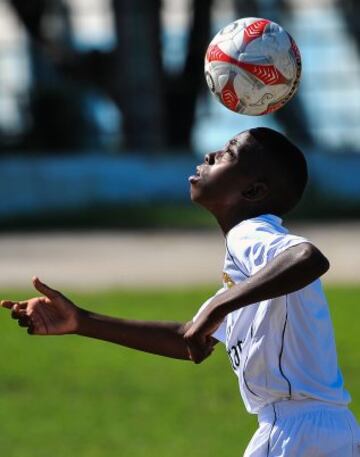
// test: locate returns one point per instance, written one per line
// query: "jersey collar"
(267, 218)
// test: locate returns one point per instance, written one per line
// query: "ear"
(256, 191)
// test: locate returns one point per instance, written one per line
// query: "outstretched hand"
(51, 314)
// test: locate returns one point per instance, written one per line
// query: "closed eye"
(230, 153)
(226, 154)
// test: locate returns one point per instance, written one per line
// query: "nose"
(210, 158)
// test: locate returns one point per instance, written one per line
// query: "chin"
(195, 195)
(199, 200)
(199, 195)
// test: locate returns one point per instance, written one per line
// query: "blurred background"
(104, 114)
(103, 107)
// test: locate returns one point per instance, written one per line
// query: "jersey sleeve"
(252, 251)
(220, 332)
(279, 244)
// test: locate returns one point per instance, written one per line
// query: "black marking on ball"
(210, 81)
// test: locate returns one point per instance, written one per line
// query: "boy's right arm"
(54, 314)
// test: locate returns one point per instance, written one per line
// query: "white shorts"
(305, 428)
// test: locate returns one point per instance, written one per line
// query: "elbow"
(314, 259)
(323, 265)
(326, 264)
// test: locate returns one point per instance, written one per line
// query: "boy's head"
(258, 171)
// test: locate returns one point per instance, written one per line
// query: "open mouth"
(196, 177)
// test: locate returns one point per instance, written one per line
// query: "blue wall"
(43, 183)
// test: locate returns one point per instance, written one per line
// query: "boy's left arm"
(291, 270)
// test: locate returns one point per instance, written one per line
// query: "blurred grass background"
(74, 396)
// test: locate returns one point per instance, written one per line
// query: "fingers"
(198, 349)
(7, 304)
(26, 318)
(13, 305)
(18, 312)
(44, 289)
(18, 309)
(33, 323)
(196, 353)
(24, 321)
(40, 286)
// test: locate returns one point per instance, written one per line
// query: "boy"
(271, 313)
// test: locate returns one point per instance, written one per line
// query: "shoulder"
(258, 229)
(256, 241)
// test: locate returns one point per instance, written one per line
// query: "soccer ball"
(253, 66)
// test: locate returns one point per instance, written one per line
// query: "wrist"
(82, 317)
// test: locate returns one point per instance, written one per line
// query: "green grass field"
(73, 396)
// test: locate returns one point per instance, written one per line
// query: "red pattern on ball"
(267, 74)
(229, 96)
(253, 31)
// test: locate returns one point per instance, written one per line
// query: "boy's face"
(220, 179)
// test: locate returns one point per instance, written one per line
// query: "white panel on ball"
(253, 66)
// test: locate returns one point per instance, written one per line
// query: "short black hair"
(284, 166)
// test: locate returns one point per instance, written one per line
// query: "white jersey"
(282, 348)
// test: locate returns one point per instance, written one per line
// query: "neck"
(227, 218)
